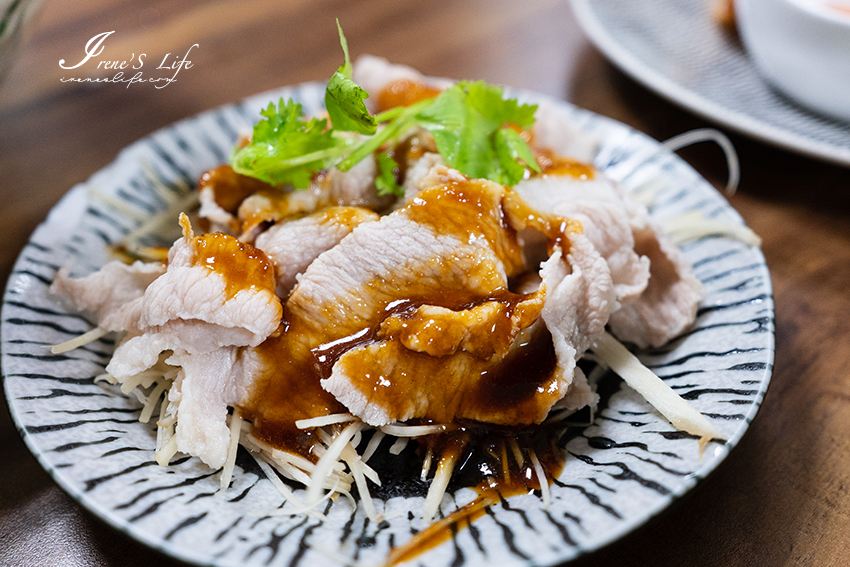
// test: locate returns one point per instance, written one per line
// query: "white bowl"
(802, 47)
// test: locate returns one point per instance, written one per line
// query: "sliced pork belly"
(555, 128)
(594, 201)
(579, 302)
(204, 387)
(411, 316)
(417, 171)
(374, 73)
(293, 245)
(113, 293)
(355, 187)
(221, 191)
(669, 304)
(654, 283)
(392, 85)
(217, 280)
(438, 243)
(217, 294)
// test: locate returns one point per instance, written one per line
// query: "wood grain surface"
(783, 495)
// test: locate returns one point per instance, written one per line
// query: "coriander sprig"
(474, 126)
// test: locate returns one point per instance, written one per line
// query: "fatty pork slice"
(204, 387)
(593, 200)
(441, 250)
(555, 128)
(113, 294)
(355, 187)
(579, 305)
(655, 284)
(216, 295)
(669, 304)
(293, 245)
(411, 316)
(220, 191)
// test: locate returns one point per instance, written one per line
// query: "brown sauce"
(439, 348)
(347, 216)
(404, 92)
(513, 383)
(230, 188)
(552, 163)
(241, 265)
(287, 389)
(488, 463)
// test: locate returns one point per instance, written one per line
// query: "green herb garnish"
(473, 125)
(344, 99)
(385, 182)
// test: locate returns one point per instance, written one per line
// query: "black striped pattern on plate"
(626, 466)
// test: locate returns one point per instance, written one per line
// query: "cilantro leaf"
(510, 150)
(285, 148)
(473, 125)
(344, 99)
(385, 182)
(468, 122)
(489, 101)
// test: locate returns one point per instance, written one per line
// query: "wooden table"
(781, 498)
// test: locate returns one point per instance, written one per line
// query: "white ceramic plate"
(625, 467)
(675, 48)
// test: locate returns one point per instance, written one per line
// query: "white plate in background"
(675, 48)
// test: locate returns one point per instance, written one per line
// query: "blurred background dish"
(678, 49)
(802, 47)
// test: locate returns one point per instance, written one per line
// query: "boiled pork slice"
(555, 128)
(113, 294)
(216, 295)
(579, 302)
(220, 192)
(293, 245)
(375, 73)
(355, 187)
(412, 316)
(655, 285)
(669, 304)
(203, 389)
(604, 217)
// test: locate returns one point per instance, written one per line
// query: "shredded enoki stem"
(693, 225)
(153, 398)
(79, 341)
(324, 420)
(711, 135)
(374, 442)
(661, 396)
(400, 430)
(426, 463)
(230, 461)
(520, 460)
(327, 461)
(287, 494)
(541, 478)
(440, 482)
(399, 445)
(647, 192)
